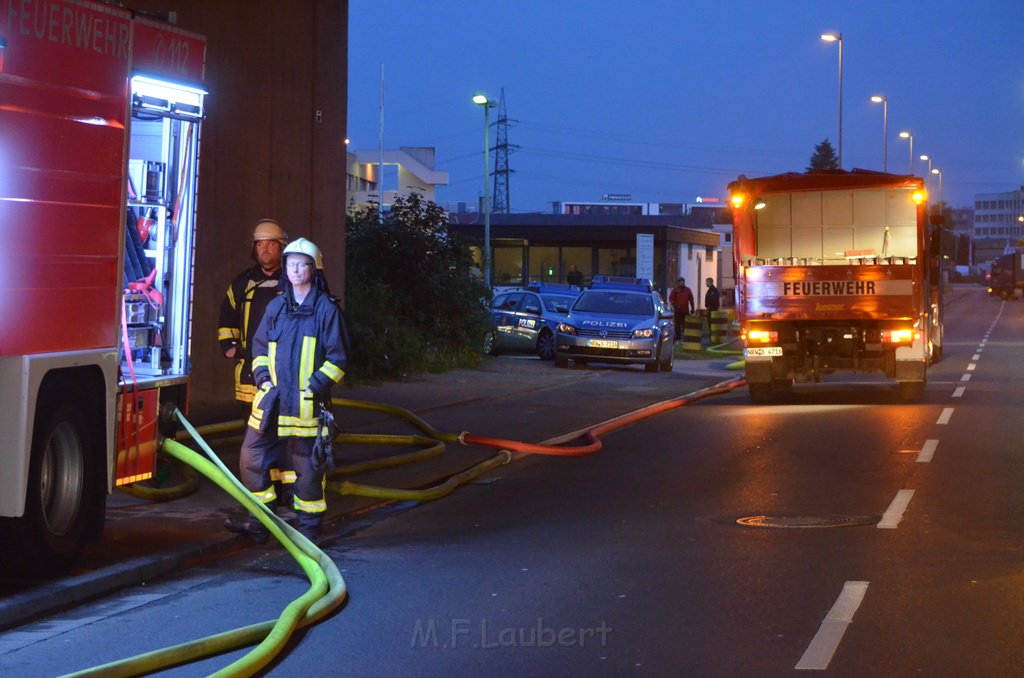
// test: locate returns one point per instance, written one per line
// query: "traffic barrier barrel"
(693, 331)
(719, 323)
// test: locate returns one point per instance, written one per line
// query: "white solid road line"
(928, 451)
(894, 514)
(823, 646)
(947, 412)
(958, 392)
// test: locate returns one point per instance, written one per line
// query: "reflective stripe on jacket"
(298, 349)
(241, 310)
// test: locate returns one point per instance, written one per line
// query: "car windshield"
(616, 303)
(553, 301)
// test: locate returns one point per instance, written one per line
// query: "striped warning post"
(719, 322)
(693, 330)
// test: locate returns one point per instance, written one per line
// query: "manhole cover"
(805, 522)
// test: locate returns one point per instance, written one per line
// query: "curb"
(21, 608)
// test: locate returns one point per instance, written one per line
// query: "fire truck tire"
(782, 385)
(761, 393)
(911, 390)
(66, 493)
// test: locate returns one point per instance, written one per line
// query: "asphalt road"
(888, 541)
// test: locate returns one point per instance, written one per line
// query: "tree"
(411, 302)
(824, 157)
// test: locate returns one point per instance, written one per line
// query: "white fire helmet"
(303, 246)
(268, 229)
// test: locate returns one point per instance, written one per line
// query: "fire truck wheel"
(65, 490)
(911, 390)
(761, 393)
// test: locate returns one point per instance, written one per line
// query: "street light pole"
(909, 137)
(929, 159)
(482, 100)
(838, 37)
(939, 172)
(884, 100)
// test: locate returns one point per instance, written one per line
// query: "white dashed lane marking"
(894, 514)
(823, 646)
(947, 412)
(928, 451)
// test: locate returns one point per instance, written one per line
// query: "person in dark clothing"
(711, 297)
(574, 276)
(298, 355)
(681, 300)
(245, 301)
(241, 311)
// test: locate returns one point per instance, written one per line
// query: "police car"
(525, 319)
(619, 320)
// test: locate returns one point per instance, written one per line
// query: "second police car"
(617, 320)
(525, 319)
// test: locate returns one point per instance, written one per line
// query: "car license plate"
(602, 343)
(762, 351)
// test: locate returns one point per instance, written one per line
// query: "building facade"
(998, 223)
(410, 168)
(545, 247)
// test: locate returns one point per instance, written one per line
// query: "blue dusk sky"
(668, 100)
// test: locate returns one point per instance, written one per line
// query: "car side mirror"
(561, 308)
(667, 315)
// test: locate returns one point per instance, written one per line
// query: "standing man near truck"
(681, 300)
(243, 307)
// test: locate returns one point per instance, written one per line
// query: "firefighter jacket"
(240, 313)
(300, 350)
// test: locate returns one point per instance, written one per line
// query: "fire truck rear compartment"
(811, 350)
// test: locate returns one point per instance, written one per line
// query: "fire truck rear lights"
(919, 197)
(763, 336)
(737, 200)
(904, 336)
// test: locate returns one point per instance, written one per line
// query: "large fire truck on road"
(99, 140)
(835, 271)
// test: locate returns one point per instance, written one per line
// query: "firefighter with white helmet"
(240, 314)
(298, 356)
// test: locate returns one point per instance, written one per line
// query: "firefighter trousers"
(261, 451)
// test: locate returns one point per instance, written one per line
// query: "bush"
(411, 301)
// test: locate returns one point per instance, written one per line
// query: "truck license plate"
(762, 351)
(602, 343)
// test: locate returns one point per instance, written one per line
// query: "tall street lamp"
(910, 137)
(929, 159)
(939, 172)
(884, 100)
(482, 100)
(838, 37)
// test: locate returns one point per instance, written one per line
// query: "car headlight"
(566, 329)
(645, 333)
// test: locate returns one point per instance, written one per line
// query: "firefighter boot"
(250, 527)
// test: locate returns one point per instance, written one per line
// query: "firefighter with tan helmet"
(240, 313)
(298, 355)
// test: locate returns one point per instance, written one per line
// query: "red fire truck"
(835, 271)
(99, 140)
